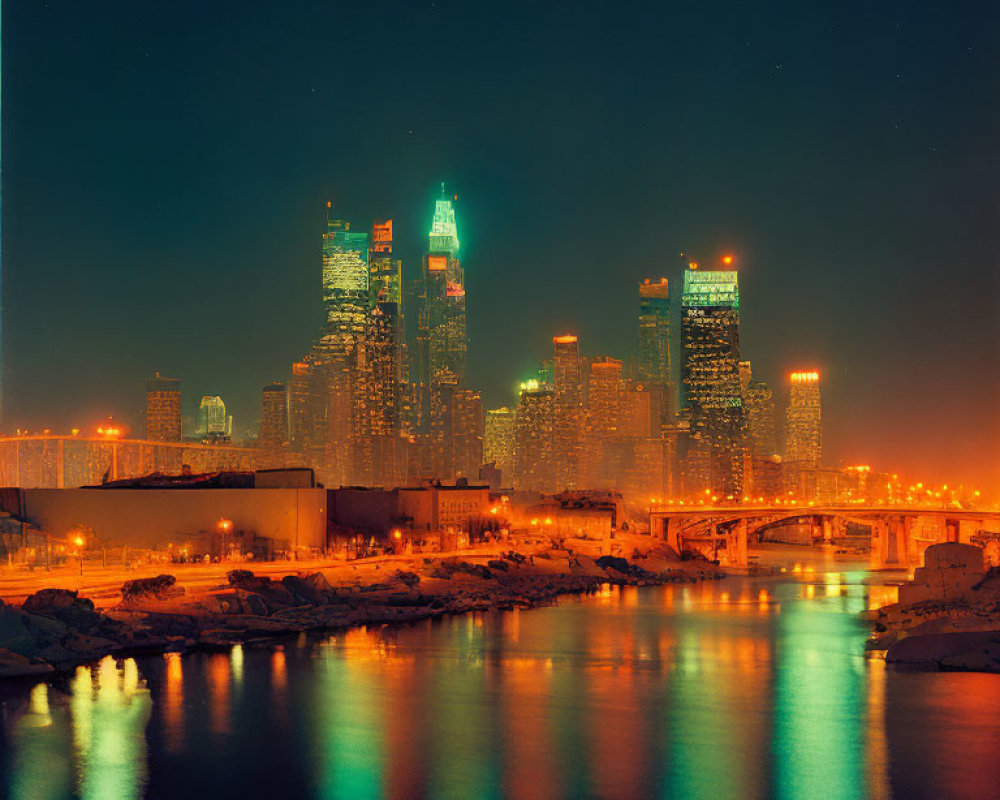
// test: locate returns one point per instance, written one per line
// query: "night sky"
(166, 166)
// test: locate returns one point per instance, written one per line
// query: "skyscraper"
(274, 417)
(803, 421)
(163, 409)
(441, 337)
(758, 401)
(376, 425)
(655, 362)
(534, 462)
(467, 432)
(307, 410)
(710, 380)
(498, 442)
(602, 418)
(384, 270)
(386, 286)
(345, 287)
(212, 420)
(333, 360)
(444, 300)
(568, 410)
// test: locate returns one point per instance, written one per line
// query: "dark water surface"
(730, 689)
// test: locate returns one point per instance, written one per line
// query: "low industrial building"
(427, 509)
(186, 515)
(590, 514)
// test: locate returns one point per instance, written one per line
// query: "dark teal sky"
(166, 164)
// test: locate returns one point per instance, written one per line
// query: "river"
(741, 688)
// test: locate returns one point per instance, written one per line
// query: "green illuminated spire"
(444, 232)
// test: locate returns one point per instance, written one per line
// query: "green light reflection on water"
(348, 714)
(463, 754)
(820, 703)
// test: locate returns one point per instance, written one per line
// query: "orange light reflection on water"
(218, 692)
(173, 702)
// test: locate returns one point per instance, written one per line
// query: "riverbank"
(58, 627)
(959, 633)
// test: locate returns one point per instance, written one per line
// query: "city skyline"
(345, 259)
(486, 400)
(836, 276)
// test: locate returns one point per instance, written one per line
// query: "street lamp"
(224, 526)
(79, 542)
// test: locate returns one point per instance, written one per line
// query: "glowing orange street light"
(397, 534)
(727, 260)
(79, 542)
(224, 526)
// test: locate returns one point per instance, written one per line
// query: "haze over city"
(422, 400)
(165, 177)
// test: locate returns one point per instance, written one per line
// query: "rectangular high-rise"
(441, 335)
(385, 271)
(655, 362)
(345, 288)
(466, 433)
(710, 377)
(602, 423)
(163, 409)
(803, 421)
(375, 422)
(273, 417)
(498, 442)
(443, 315)
(534, 462)
(568, 410)
(307, 410)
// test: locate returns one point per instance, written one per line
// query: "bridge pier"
(880, 544)
(893, 545)
(671, 532)
(737, 548)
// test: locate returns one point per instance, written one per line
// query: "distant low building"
(57, 462)
(428, 509)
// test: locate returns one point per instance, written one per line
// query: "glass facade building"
(803, 421)
(710, 380)
(345, 287)
(655, 363)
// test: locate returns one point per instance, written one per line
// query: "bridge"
(898, 534)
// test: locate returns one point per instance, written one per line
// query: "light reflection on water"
(739, 688)
(100, 725)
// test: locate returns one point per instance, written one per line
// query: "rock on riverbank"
(958, 633)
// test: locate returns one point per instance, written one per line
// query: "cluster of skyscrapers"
(603, 423)
(364, 407)
(682, 416)
(163, 413)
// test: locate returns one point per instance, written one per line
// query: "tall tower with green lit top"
(711, 398)
(442, 336)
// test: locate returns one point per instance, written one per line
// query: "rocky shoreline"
(55, 629)
(960, 633)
